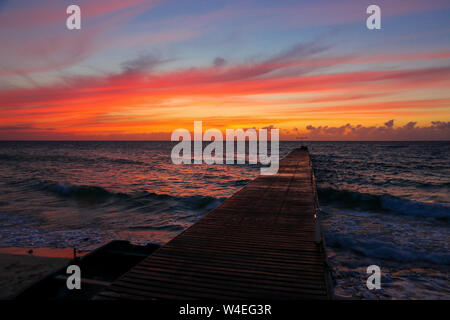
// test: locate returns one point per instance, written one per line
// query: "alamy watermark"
(73, 22)
(374, 20)
(74, 280)
(374, 280)
(214, 151)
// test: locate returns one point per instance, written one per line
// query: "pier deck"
(263, 242)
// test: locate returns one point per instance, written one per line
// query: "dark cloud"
(219, 62)
(410, 125)
(23, 128)
(436, 131)
(300, 50)
(142, 63)
(441, 125)
(277, 65)
(389, 124)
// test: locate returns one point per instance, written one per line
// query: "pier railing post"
(318, 238)
(318, 232)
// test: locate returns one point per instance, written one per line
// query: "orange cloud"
(287, 90)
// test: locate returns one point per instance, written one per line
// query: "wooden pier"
(264, 242)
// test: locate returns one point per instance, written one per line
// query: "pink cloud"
(48, 12)
(35, 38)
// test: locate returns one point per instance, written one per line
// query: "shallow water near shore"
(383, 203)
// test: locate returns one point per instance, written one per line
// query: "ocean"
(382, 203)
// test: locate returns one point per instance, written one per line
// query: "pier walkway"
(264, 242)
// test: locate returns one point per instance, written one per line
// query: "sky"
(140, 69)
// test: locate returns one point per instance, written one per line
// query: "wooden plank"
(259, 243)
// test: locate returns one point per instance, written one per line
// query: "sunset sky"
(140, 69)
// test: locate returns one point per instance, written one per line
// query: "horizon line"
(301, 141)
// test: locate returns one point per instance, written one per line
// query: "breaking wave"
(383, 250)
(385, 202)
(100, 194)
(79, 192)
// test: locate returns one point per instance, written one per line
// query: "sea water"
(382, 203)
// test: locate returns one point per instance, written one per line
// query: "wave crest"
(80, 192)
(383, 250)
(97, 194)
(385, 202)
